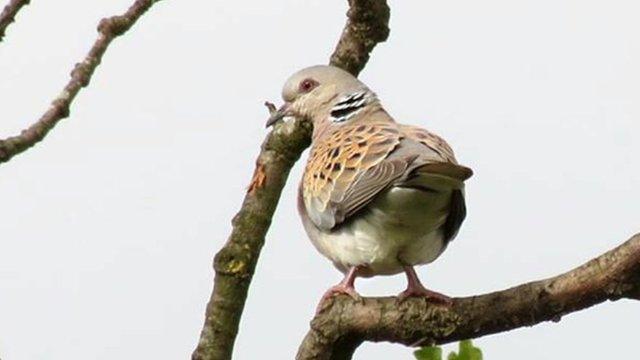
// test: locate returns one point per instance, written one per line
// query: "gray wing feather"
(368, 185)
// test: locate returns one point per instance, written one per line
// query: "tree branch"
(367, 25)
(8, 14)
(344, 323)
(108, 29)
(234, 264)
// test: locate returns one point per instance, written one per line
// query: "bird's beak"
(285, 110)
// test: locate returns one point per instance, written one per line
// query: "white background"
(108, 228)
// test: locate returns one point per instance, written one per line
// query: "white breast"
(399, 227)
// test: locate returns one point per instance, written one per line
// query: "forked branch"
(344, 324)
(108, 30)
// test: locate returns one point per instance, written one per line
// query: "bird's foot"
(346, 286)
(337, 290)
(417, 290)
(341, 289)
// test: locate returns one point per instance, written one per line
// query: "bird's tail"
(446, 169)
(438, 176)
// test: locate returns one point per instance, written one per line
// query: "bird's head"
(322, 93)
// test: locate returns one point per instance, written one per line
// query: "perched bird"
(377, 197)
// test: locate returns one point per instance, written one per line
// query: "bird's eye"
(307, 85)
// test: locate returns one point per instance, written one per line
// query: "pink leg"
(415, 288)
(346, 286)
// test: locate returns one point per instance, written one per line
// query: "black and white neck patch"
(350, 105)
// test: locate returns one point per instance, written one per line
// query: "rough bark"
(108, 30)
(8, 14)
(367, 25)
(344, 323)
(234, 264)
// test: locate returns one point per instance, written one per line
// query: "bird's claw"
(337, 290)
(420, 291)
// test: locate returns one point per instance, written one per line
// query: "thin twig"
(345, 324)
(235, 262)
(8, 14)
(108, 30)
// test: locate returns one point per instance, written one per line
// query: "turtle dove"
(377, 197)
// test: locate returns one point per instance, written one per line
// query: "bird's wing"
(347, 168)
(430, 140)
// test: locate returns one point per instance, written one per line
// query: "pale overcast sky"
(108, 227)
